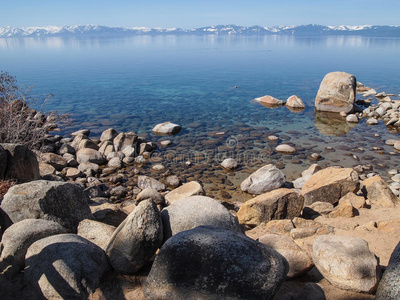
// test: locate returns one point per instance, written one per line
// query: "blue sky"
(191, 14)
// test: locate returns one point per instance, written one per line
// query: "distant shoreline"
(223, 30)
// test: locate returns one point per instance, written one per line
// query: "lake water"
(133, 83)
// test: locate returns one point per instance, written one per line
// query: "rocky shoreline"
(83, 221)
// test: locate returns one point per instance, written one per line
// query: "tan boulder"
(344, 209)
(272, 227)
(336, 92)
(378, 192)
(191, 188)
(295, 102)
(277, 204)
(270, 101)
(299, 261)
(356, 201)
(284, 148)
(329, 185)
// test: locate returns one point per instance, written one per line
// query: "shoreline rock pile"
(313, 237)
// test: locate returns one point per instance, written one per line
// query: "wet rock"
(299, 261)
(219, 277)
(372, 121)
(278, 204)
(352, 118)
(173, 181)
(96, 232)
(263, 180)
(167, 128)
(329, 185)
(148, 182)
(64, 266)
(230, 164)
(295, 102)
(346, 263)
(336, 93)
(137, 239)
(191, 188)
(64, 203)
(283, 148)
(270, 101)
(22, 164)
(195, 211)
(378, 192)
(18, 238)
(272, 138)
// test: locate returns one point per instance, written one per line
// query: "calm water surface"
(133, 83)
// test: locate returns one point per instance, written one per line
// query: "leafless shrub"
(18, 122)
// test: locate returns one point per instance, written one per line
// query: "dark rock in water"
(64, 266)
(22, 164)
(209, 262)
(389, 288)
(64, 203)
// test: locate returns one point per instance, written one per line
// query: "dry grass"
(5, 186)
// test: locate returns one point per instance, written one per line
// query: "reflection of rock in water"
(295, 110)
(331, 123)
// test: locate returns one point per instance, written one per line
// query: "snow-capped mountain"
(90, 30)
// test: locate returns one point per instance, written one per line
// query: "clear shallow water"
(133, 83)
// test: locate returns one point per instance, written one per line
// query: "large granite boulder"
(64, 266)
(18, 238)
(336, 93)
(22, 164)
(299, 261)
(209, 262)
(188, 189)
(136, 239)
(64, 203)
(195, 211)
(329, 185)
(263, 180)
(389, 288)
(346, 262)
(274, 205)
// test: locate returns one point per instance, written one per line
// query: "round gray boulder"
(196, 211)
(136, 239)
(64, 266)
(18, 238)
(209, 262)
(64, 203)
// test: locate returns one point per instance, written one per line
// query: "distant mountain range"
(302, 30)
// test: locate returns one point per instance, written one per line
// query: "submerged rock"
(167, 128)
